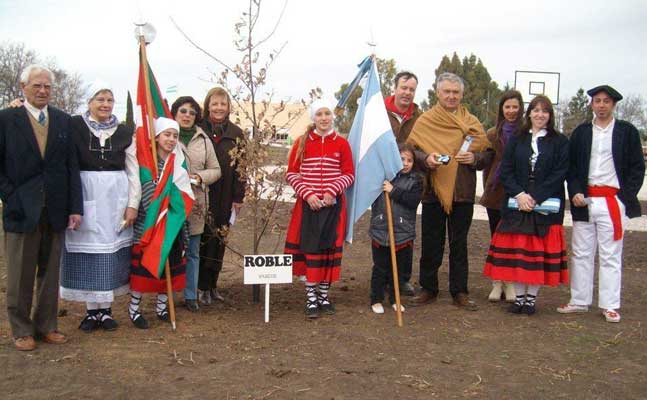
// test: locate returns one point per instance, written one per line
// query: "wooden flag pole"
(394, 262)
(151, 132)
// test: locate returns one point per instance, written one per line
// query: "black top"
(549, 173)
(628, 161)
(92, 157)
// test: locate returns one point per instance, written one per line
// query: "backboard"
(533, 83)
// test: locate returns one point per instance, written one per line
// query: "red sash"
(609, 194)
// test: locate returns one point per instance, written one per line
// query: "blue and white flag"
(375, 152)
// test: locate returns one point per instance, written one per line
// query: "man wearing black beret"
(606, 172)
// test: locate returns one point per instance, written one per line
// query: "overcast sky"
(588, 42)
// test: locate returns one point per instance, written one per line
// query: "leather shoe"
(407, 289)
(54, 337)
(463, 301)
(424, 297)
(25, 343)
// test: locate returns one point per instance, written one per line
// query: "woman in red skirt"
(320, 168)
(528, 247)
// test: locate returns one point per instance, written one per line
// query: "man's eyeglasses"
(185, 110)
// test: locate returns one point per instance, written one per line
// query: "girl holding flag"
(320, 168)
(141, 279)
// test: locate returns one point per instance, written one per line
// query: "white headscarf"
(161, 124)
(95, 87)
(319, 104)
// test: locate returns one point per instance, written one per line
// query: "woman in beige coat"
(203, 171)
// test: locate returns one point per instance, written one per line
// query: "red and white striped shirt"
(327, 166)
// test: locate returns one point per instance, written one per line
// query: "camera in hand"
(443, 158)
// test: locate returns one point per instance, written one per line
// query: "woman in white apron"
(96, 258)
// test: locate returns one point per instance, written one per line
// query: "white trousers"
(597, 234)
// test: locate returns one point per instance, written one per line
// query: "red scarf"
(389, 102)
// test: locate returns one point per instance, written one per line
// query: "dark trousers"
(435, 223)
(28, 257)
(382, 274)
(212, 252)
(493, 216)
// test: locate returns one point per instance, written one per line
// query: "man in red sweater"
(403, 113)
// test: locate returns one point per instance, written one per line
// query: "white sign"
(267, 268)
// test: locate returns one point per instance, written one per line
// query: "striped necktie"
(41, 118)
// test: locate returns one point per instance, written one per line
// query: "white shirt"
(602, 172)
(535, 147)
(35, 112)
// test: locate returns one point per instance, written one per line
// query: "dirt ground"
(225, 351)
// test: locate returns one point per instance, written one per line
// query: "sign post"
(267, 269)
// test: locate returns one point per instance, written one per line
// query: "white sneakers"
(395, 307)
(572, 309)
(379, 309)
(611, 315)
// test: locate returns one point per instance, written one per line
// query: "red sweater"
(327, 166)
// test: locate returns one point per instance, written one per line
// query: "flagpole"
(394, 262)
(151, 132)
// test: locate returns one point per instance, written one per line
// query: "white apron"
(105, 197)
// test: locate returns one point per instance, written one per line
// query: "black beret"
(614, 94)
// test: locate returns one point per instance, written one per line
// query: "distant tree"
(481, 95)
(424, 105)
(67, 92)
(387, 70)
(130, 121)
(634, 109)
(576, 112)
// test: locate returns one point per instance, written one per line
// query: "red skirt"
(142, 281)
(528, 259)
(324, 266)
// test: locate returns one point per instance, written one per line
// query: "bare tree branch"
(278, 21)
(216, 59)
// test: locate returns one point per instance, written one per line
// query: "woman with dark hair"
(96, 258)
(528, 247)
(509, 118)
(226, 195)
(203, 170)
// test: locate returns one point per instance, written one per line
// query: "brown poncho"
(443, 132)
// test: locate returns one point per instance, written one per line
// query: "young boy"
(405, 191)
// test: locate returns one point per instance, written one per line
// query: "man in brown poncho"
(448, 201)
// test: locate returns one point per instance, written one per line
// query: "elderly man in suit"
(40, 188)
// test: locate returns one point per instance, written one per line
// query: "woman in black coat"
(225, 195)
(528, 247)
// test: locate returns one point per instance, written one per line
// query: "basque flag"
(375, 152)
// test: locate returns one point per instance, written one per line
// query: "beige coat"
(201, 160)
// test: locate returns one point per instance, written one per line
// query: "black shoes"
(138, 320)
(528, 309)
(90, 322)
(516, 307)
(106, 320)
(95, 319)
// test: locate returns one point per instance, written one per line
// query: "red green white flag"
(173, 197)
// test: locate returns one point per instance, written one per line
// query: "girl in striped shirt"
(320, 168)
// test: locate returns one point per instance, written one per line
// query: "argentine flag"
(375, 152)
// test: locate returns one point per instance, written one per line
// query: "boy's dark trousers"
(383, 274)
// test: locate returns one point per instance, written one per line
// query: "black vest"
(91, 156)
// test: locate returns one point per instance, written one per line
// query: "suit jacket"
(628, 160)
(550, 172)
(28, 181)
